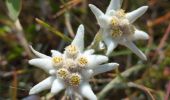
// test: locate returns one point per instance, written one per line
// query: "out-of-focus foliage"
(17, 77)
(62, 36)
(14, 8)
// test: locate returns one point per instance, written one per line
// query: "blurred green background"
(19, 29)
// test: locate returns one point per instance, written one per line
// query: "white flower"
(72, 69)
(116, 27)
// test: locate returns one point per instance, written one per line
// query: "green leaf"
(66, 38)
(14, 8)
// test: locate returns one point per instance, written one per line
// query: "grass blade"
(66, 38)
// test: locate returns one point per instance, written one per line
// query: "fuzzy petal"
(140, 35)
(52, 72)
(55, 53)
(96, 11)
(43, 63)
(104, 21)
(87, 74)
(89, 52)
(111, 45)
(45, 84)
(132, 16)
(104, 68)
(135, 50)
(94, 60)
(114, 5)
(38, 54)
(111, 13)
(57, 86)
(79, 38)
(86, 91)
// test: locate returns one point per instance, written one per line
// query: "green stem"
(53, 30)
(115, 81)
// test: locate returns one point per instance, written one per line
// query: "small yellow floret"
(82, 61)
(57, 61)
(120, 13)
(75, 79)
(71, 50)
(114, 21)
(116, 32)
(62, 73)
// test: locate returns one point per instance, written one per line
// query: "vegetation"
(52, 24)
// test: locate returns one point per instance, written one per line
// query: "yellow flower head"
(62, 73)
(74, 79)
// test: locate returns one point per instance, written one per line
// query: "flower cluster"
(73, 68)
(116, 27)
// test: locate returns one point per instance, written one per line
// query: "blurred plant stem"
(61, 35)
(68, 24)
(14, 84)
(143, 88)
(4, 74)
(21, 37)
(67, 6)
(118, 80)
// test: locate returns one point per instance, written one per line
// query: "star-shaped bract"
(116, 26)
(72, 69)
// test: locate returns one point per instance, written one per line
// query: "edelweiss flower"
(72, 69)
(116, 26)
